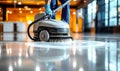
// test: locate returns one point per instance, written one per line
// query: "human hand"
(48, 10)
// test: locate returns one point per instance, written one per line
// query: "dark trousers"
(65, 10)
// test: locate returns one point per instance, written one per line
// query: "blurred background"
(91, 16)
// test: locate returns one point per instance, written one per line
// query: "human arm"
(47, 1)
(47, 7)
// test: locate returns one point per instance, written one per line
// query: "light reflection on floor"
(85, 53)
(85, 44)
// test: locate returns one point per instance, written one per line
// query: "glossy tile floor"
(87, 52)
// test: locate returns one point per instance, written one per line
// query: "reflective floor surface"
(87, 52)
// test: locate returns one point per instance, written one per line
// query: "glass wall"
(106, 12)
(85, 18)
(113, 13)
(119, 12)
(89, 15)
(107, 15)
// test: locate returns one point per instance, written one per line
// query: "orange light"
(29, 9)
(40, 9)
(31, 12)
(19, 3)
(74, 0)
(8, 11)
(38, 3)
(20, 11)
(74, 13)
(15, 1)
(25, 7)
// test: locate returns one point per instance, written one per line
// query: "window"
(91, 13)
(113, 0)
(106, 1)
(113, 4)
(113, 21)
(101, 2)
(119, 2)
(106, 11)
(99, 16)
(103, 15)
(113, 12)
(106, 22)
(113, 8)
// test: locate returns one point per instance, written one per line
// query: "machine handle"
(63, 5)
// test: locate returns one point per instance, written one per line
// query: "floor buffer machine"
(47, 29)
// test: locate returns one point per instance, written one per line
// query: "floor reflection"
(83, 54)
(13, 37)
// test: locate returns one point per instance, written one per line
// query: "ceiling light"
(31, 12)
(15, 1)
(40, 9)
(10, 12)
(74, 13)
(29, 8)
(19, 3)
(74, 0)
(85, 1)
(38, 3)
(26, 7)
(20, 9)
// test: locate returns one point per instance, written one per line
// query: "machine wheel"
(44, 35)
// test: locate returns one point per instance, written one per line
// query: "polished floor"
(87, 52)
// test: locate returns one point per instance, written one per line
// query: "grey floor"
(87, 52)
